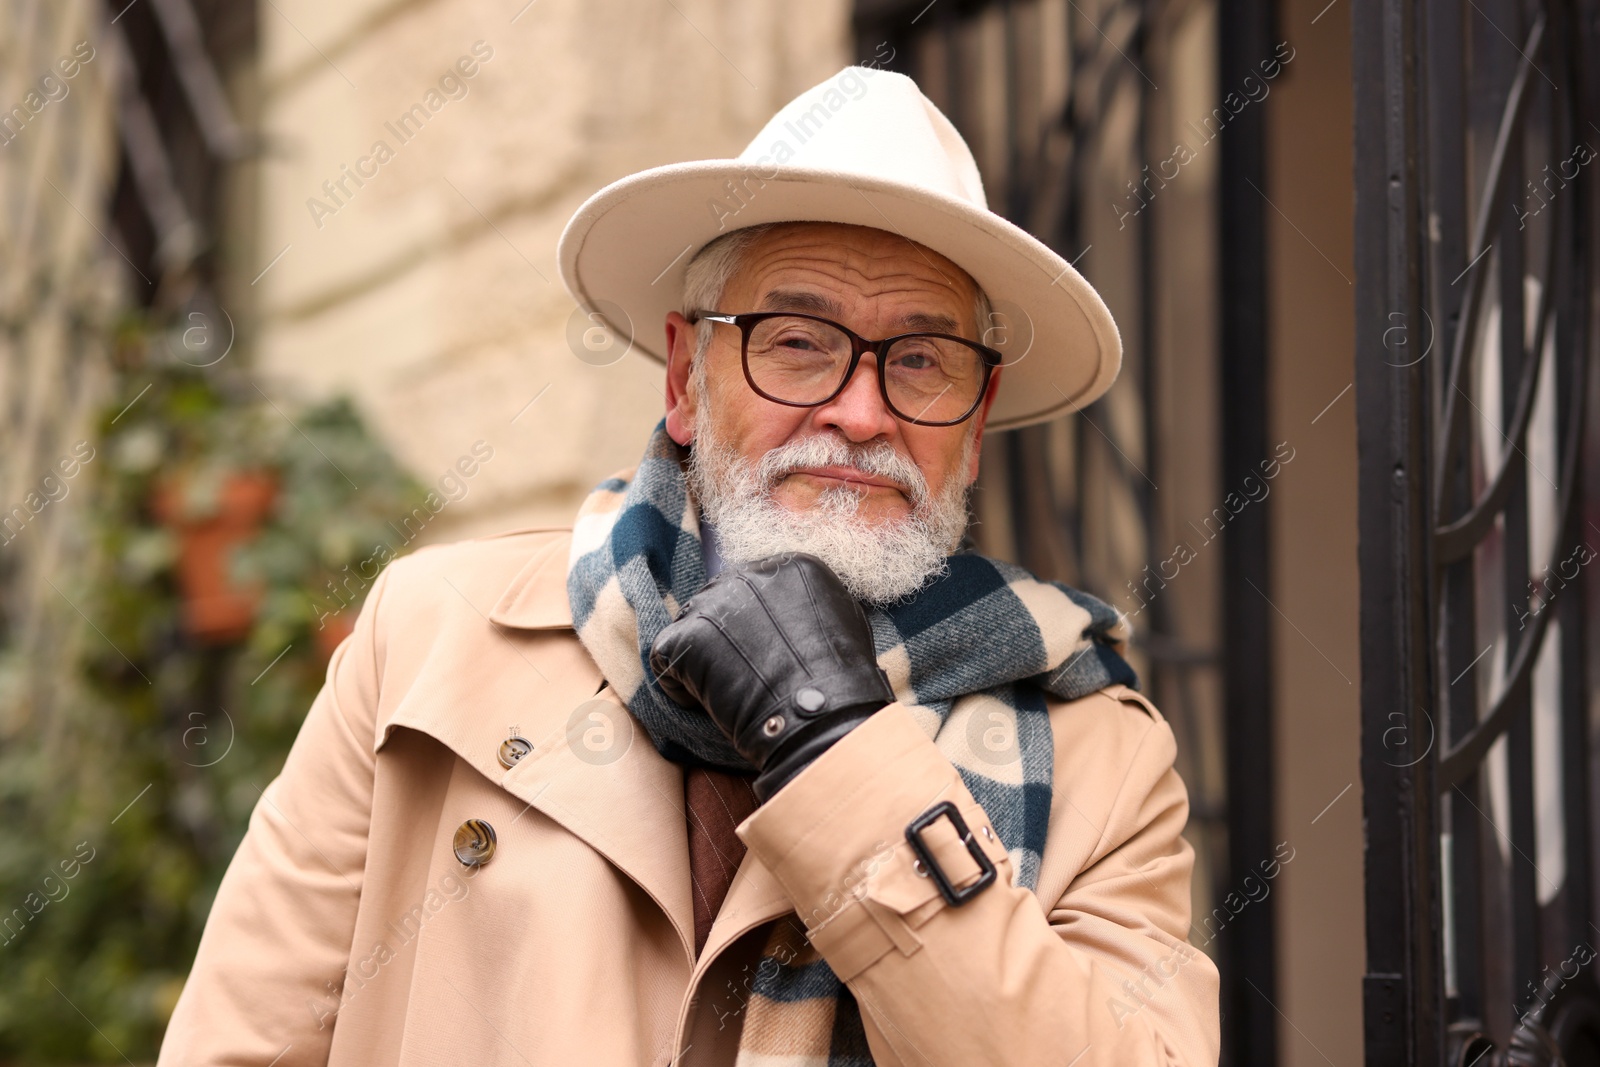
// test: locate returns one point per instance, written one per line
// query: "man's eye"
(802, 342)
(917, 358)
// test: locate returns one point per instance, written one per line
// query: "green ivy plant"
(117, 822)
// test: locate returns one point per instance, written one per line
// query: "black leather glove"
(781, 658)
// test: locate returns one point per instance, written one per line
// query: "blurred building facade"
(60, 292)
(422, 159)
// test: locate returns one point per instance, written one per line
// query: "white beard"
(878, 562)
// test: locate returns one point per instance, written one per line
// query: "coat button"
(474, 843)
(512, 749)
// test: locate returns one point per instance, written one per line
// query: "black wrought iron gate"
(1476, 254)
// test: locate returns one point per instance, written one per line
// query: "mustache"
(878, 460)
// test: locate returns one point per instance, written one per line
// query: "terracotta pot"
(216, 610)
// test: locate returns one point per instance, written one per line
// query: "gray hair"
(707, 276)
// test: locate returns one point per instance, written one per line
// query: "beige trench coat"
(347, 931)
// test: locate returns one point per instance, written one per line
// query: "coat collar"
(536, 599)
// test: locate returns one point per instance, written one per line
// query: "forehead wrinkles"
(888, 265)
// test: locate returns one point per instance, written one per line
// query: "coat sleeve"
(1104, 976)
(266, 980)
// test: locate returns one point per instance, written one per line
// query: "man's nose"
(858, 411)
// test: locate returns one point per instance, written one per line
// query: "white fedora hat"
(864, 147)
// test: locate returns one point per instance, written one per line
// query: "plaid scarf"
(973, 656)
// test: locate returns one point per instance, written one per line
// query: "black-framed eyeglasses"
(929, 379)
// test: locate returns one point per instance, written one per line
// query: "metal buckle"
(952, 896)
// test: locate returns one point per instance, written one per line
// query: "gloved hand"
(781, 658)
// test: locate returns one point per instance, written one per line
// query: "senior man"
(859, 798)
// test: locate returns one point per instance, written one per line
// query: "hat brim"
(629, 245)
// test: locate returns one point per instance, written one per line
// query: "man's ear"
(980, 417)
(680, 394)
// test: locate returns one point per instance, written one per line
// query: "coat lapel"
(755, 895)
(601, 778)
(754, 898)
(519, 667)
(537, 600)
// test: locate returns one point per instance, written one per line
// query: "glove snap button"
(772, 726)
(920, 868)
(810, 699)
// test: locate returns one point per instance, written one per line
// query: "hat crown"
(872, 123)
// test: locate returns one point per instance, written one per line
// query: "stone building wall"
(423, 157)
(59, 288)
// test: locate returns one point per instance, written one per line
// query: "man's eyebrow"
(803, 301)
(934, 323)
(809, 303)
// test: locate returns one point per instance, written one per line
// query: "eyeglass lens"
(802, 361)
